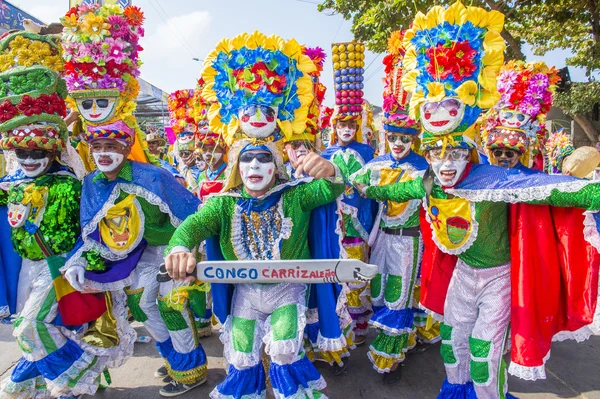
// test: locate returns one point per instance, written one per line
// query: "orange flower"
(134, 15)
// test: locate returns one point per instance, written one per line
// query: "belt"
(409, 231)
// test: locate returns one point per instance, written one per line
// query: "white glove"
(76, 277)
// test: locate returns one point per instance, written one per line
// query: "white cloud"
(167, 60)
(47, 13)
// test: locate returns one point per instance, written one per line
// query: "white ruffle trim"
(436, 316)
(590, 229)
(151, 198)
(241, 360)
(87, 384)
(117, 355)
(353, 213)
(470, 240)
(529, 373)
(515, 195)
(391, 331)
(331, 344)
(24, 390)
(303, 393)
(287, 347)
(243, 253)
(215, 394)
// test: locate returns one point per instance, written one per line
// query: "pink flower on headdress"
(118, 26)
(529, 105)
(92, 50)
(540, 80)
(507, 80)
(85, 8)
(114, 50)
(108, 82)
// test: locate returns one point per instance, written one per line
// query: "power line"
(371, 63)
(374, 73)
(174, 26)
(338, 30)
(177, 35)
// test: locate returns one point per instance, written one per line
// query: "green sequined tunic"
(491, 247)
(219, 214)
(60, 221)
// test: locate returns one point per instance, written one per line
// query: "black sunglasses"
(299, 143)
(100, 102)
(262, 157)
(392, 138)
(33, 154)
(251, 110)
(507, 153)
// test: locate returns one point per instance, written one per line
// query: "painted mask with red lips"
(258, 121)
(442, 117)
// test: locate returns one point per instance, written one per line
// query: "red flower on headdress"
(134, 15)
(72, 11)
(7, 111)
(456, 60)
(29, 106)
(52, 104)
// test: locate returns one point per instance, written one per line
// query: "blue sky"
(179, 30)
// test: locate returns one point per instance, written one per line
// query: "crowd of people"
(469, 207)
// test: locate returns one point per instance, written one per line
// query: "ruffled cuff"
(393, 321)
(298, 380)
(248, 383)
(187, 368)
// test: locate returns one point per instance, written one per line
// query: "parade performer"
(156, 142)
(476, 272)
(260, 214)
(43, 213)
(129, 209)
(561, 157)
(348, 152)
(328, 336)
(515, 129)
(212, 148)
(181, 111)
(396, 246)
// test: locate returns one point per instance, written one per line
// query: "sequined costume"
(126, 224)
(270, 226)
(43, 213)
(358, 215)
(275, 227)
(397, 251)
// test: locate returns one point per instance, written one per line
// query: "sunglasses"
(186, 154)
(100, 102)
(392, 138)
(33, 154)
(507, 115)
(456, 154)
(251, 110)
(449, 104)
(299, 143)
(262, 157)
(507, 153)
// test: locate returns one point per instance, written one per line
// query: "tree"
(546, 25)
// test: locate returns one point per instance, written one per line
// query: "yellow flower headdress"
(255, 69)
(454, 52)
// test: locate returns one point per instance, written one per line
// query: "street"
(573, 372)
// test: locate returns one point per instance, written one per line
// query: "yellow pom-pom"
(351, 64)
(351, 56)
(343, 56)
(334, 49)
(341, 48)
(335, 58)
(336, 65)
(351, 47)
(343, 64)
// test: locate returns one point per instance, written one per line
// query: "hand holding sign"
(180, 264)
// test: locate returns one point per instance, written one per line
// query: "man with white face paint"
(213, 152)
(129, 212)
(396, 246)
(42, 200)
(260, 214)
(348, 152)
(475, 268)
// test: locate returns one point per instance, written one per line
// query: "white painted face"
(399, 145)
(346, 131)
(296, 150)
(18, 214)
(443, 116)
(449, 168)
(107, 161)
(97, 110)
(513, 119)
(212, 155)
(257, 169)
(33, 162)
(200, 163)
(258, 121)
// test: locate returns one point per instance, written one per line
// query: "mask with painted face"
(513, 119)
(450, 167)
(98, 110)
(258, 121)
(256, 169)
(185, 137)
(32, 162)
(296, 150)
(346, 132)
(399, 145)
(107, 161)
(442, 117)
